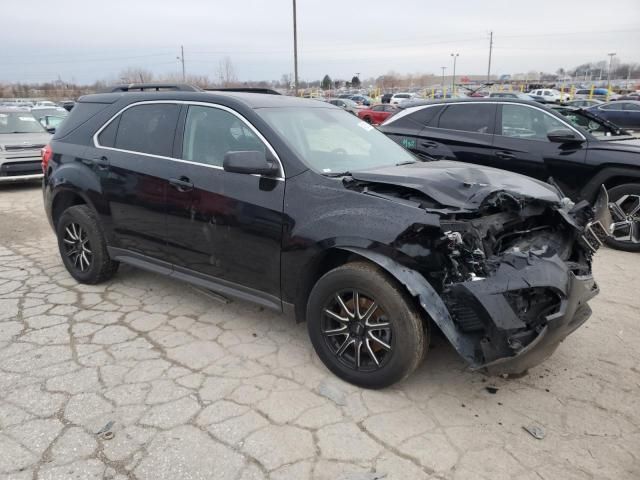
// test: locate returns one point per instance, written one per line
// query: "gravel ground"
(198, 389)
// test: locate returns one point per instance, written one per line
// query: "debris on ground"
(492, 390)
(105, 432)
(535, 431)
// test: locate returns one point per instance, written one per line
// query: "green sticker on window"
(408, 143)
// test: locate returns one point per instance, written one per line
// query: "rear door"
(521, 145)
(224, 227)
(135, 149)
(464, 132)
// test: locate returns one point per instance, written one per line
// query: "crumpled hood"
(457, 184)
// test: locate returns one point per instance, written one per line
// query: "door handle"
(429, 144)
(182, 184)
(505, 155)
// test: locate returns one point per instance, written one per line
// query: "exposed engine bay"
(514, 271)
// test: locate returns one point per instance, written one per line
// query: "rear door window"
(470, 117)
(148, 129)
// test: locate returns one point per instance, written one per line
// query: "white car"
(550, 95)
(46, 103)
(398, 98)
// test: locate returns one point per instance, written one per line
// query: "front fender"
(428, 298)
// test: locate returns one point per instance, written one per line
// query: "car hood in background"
(24, 140)
(459, 185)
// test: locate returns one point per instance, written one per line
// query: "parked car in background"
(22, 138)
(550, 95)
(532, 139)
(625, 113)
(361, 100)
(517, 95)
(398, 98)
(45, 103)
(583, 103)
(262, 197)
(50, 117)
(629, 96)
(377, 114)
(67, 104)
(346, 103)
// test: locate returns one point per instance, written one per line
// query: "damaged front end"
(503, 263)
(518, 277)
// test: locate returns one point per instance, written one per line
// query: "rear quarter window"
(418, 119)
(82, 112)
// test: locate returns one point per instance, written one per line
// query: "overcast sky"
(86, 40)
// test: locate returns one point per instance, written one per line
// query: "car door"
(631, 115)
(224, 227)
(463, 131)
(133, 152)
(521, 144)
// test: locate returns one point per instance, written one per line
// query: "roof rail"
(156, 87)
(268, 91)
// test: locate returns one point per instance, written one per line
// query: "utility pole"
(490, 51)
(182, 60)
(443, 69)
(453, 80)
(611, 55)
(295, 49)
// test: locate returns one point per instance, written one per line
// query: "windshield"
(333, 141)
(19, 122)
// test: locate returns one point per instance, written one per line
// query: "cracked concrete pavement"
(198, 389)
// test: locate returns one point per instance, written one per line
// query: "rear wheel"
(364, 327)
(82, 246)
(367, 119)
(624, 204)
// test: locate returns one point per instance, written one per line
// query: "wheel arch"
(609, 176)
(65, 198)
(414, 282)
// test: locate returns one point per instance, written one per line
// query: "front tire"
(364, 326)
(624, 202)
(83, 247)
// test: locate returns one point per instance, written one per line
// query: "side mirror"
(51, 129)
(250, 162)
(563, 136)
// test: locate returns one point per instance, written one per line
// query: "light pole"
(611, 55)
(453, 80)
(443, 69)
(295, 49)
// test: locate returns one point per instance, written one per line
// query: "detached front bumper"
(519, 315)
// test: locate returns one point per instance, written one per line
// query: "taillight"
(46, 153)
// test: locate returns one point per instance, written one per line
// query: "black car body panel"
(500, 262)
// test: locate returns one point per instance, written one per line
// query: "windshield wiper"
(406, 162)
(337, 174)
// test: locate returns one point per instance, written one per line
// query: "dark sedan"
(625, 113)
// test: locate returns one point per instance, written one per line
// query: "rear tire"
(381, 349)
(626, 217)
(368, 120)
(83, 247)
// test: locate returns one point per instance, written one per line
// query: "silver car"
(21, 139)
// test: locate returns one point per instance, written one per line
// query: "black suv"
(302, 208)
(577, 149)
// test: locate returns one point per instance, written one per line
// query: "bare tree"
(135, 75)
(226, 73)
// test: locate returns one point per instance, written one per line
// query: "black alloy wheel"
(364, 326)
